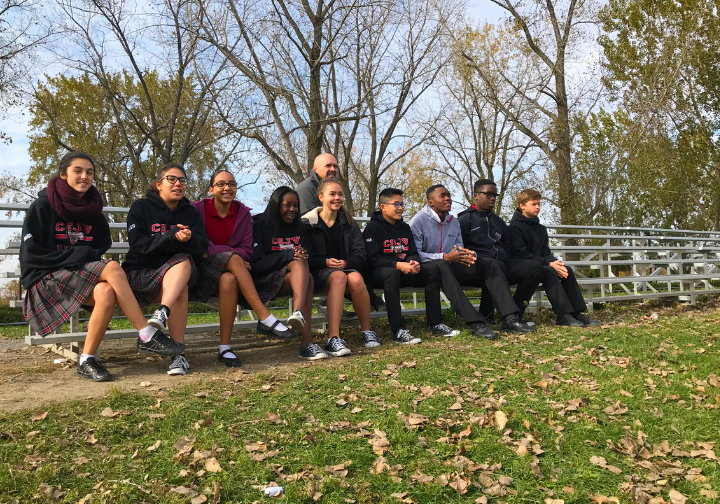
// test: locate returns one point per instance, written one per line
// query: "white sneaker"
(178, 366)
(296, 320)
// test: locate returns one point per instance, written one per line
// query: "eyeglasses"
(396, 204)
(172, 179)
(222, 184)
(490, 195)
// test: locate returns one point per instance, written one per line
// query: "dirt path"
(30, 377)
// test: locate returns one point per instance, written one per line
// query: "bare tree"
(550, 32)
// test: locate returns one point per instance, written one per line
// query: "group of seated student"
(181, 251)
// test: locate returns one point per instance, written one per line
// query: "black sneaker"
(312, 351)
(516, 325)
(489, 318)
(337, 347)
(178, 366)
(287, 333)
(568, 320)
(587, 321)
(93, 370)
(443, 330)
(483, 331)
(161, 344)
(229, 361)
(403, 337)
(371, 339)
(159, 318)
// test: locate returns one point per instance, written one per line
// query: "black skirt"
(57, 296)
(147, 283)
(321, 276)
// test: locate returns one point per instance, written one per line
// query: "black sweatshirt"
(151, 232)
(485, 233)
(273, 253)
(388, 244)
(49, 243)
(529, 239)
(319, 239)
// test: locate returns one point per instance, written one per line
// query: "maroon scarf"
(69, 207)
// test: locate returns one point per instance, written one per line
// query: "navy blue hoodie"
(485, 233)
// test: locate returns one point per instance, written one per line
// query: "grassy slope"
(658, 371)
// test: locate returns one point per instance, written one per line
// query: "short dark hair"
(388, 193)
(482, 182)
(166, 168)
(68, 158)
(431, 189)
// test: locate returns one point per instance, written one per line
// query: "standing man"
(438, 239)
(324, 166)
(486, 234)
(529, 240)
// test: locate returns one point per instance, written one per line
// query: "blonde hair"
(528, 195)
(321, 189)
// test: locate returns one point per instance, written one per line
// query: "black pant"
(564, 293)
(453, 291)
(391, 280)
(495, 278)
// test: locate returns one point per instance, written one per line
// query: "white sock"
(229, 355)
(83, 358)
(268, 322)
(147, 333)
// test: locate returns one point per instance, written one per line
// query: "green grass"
(658, 371)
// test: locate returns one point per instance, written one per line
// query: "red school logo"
(73, 231)
(396, 246)
(285, 243)
(160, 228)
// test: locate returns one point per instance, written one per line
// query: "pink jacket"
(241, 239)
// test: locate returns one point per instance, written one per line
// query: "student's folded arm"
(245, 249)
(547, 254)
(519, 247)
(263, 263)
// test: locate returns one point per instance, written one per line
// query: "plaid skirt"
(269, 285)
(57, 296)
(209, 272)
(147, 283)
(321, 276)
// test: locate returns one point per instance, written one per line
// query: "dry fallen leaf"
(500, 420)
(273, 418)
(554, 501)
(154, 447)
(212, 465)
(460, 484)
(81, 460)
(421, 478)
(481, 500)
(676, 497)
(38, 415)
(316, 496)
(90, 439)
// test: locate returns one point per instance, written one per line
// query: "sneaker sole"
(316, 357)
(177, 373)
(157, 324)
(414, 341)
(295, 323)
(372, 344)
(340, 353)
(451, 335)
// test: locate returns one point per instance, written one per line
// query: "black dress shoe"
(587, 321)
(93, 370)
(275, 332)
(568, 320)
(229, 361)
(161, 344)
(516, 325)
(483, 331)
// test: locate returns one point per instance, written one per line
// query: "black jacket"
(48, 243)
(529, 239)
(151, 232)
(388, 244)
(307, 193)
(485, 233)
(318, 238)
(273, 253)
